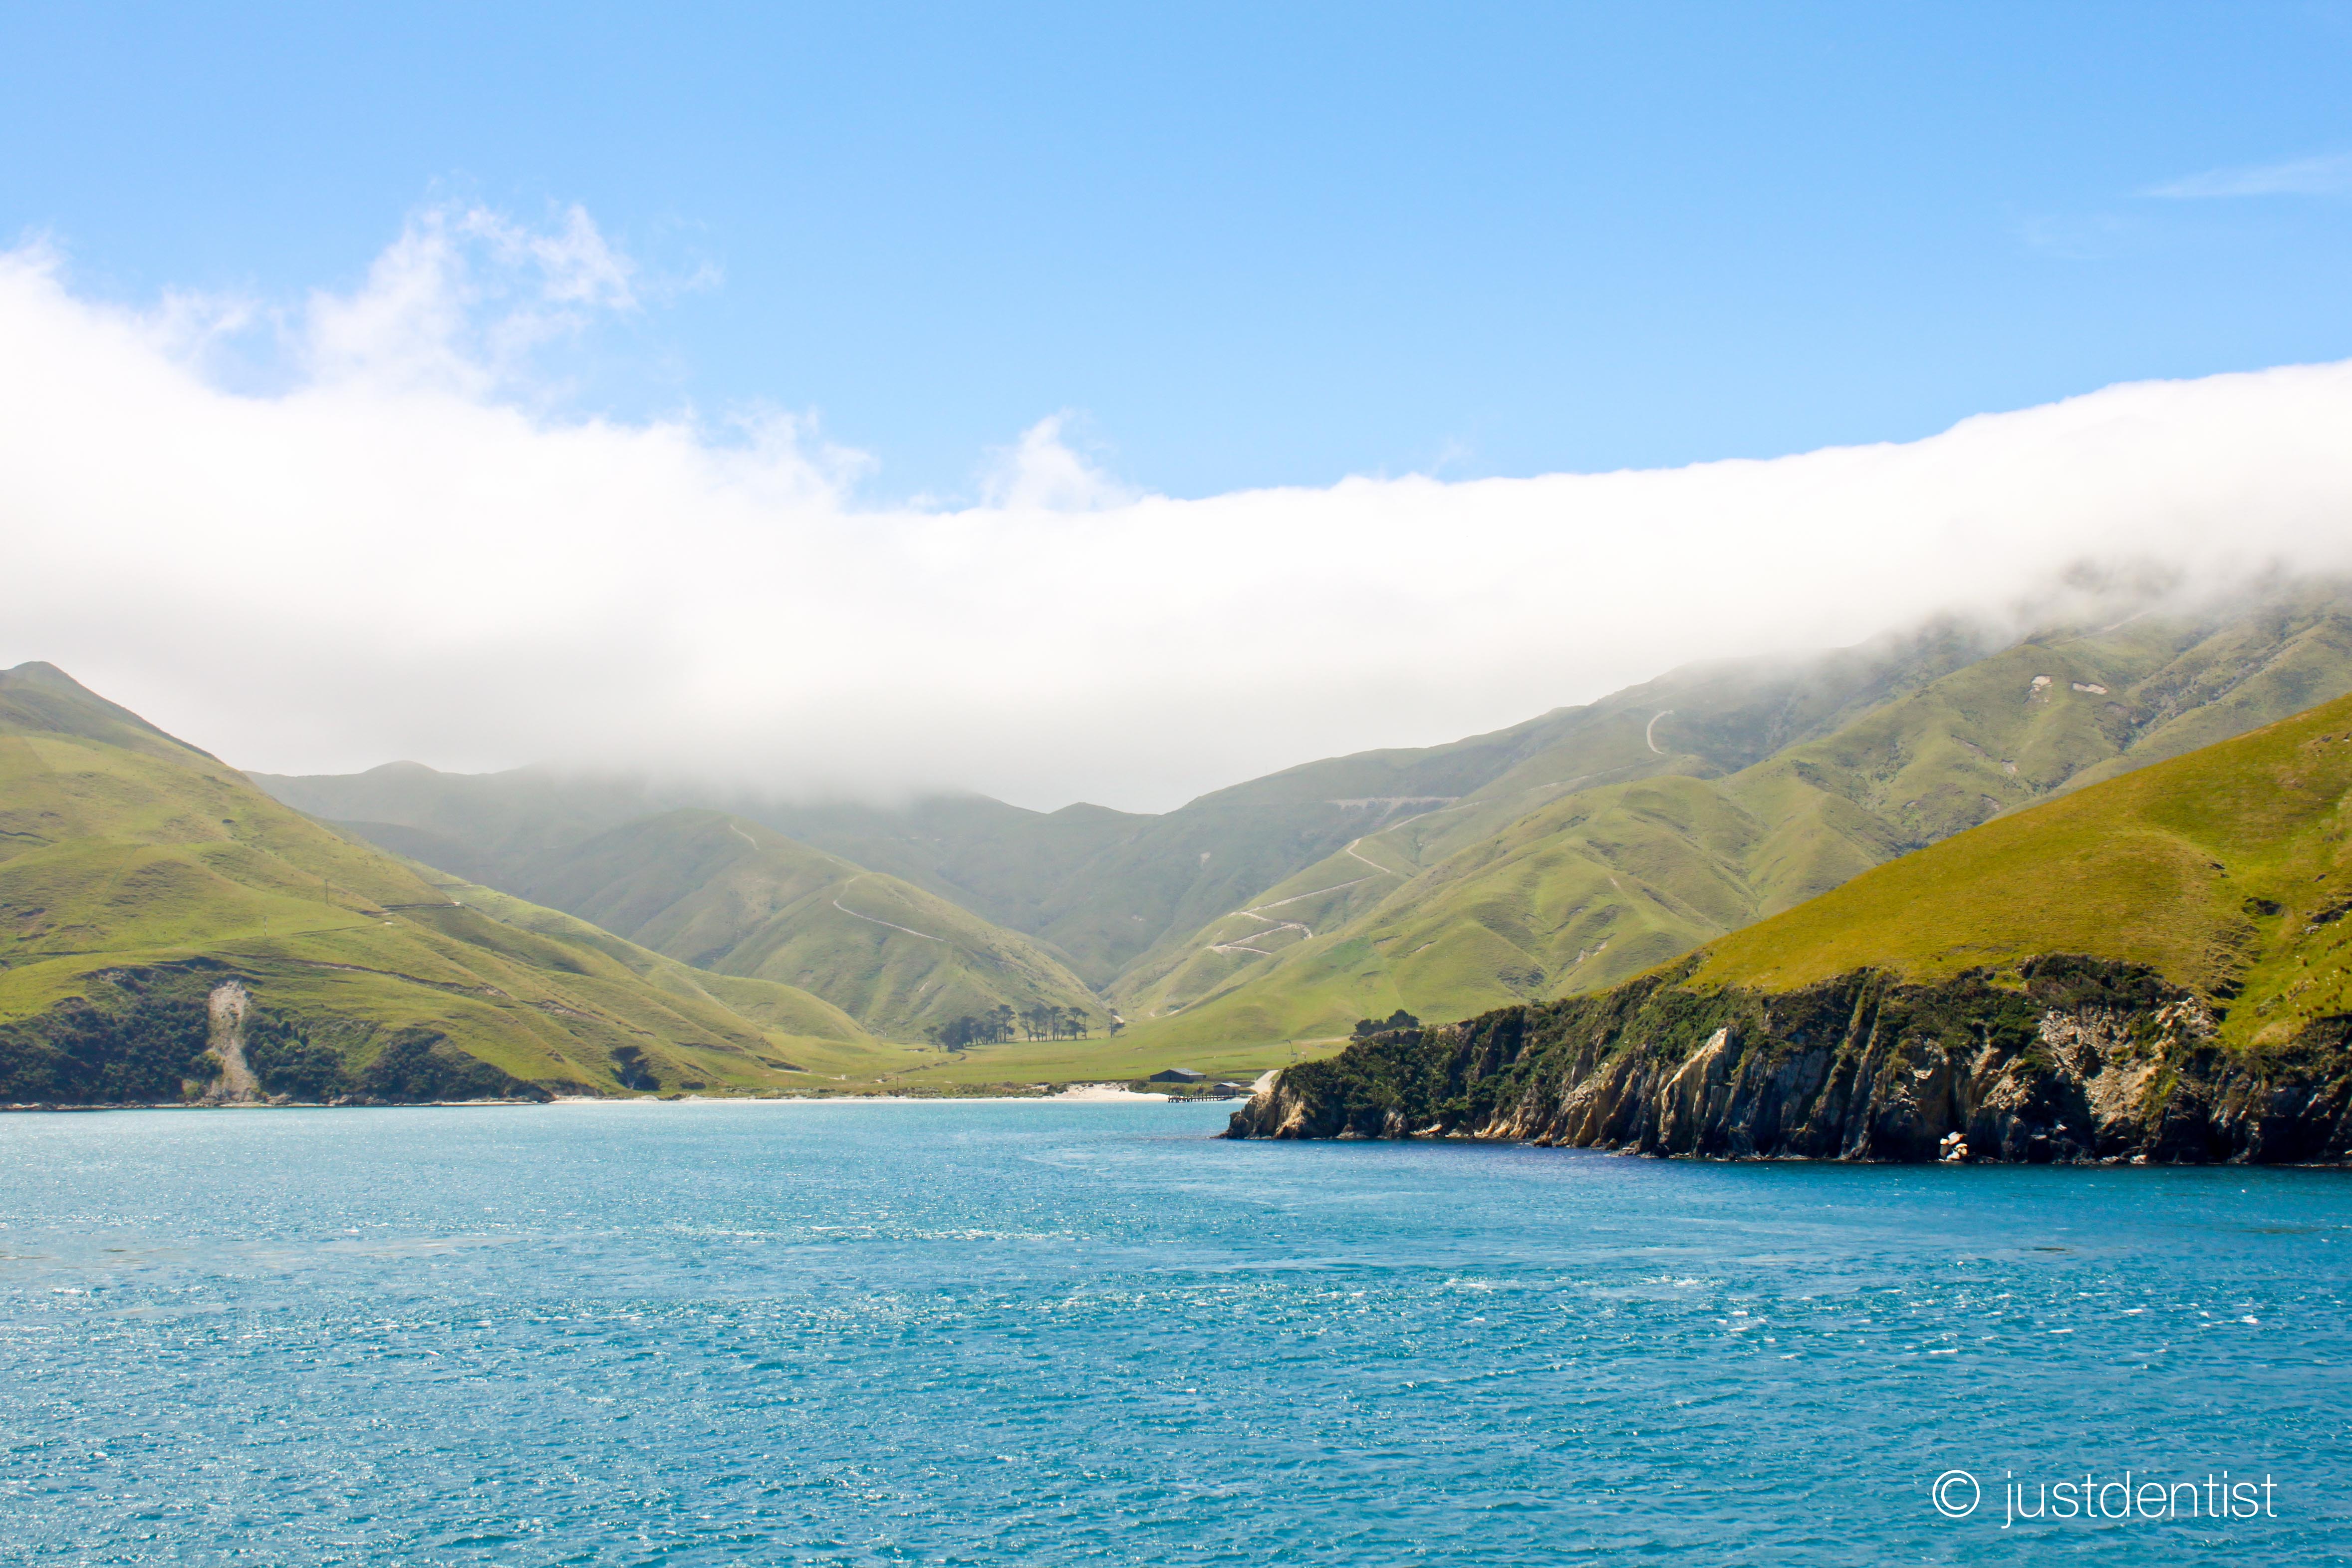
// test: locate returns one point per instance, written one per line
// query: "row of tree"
(1000, 1023)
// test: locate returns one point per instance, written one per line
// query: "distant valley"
(1562, 854)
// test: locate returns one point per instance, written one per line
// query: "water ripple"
(980, 1335)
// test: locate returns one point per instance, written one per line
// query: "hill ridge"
(41, 697)
(1602, 882)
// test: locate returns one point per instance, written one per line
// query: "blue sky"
(1113, 405)
(1249, 245)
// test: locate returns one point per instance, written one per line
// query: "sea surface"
(1026, 1332)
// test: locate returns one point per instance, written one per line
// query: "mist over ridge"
(401, 552)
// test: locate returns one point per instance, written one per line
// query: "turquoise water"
(1030, 1333)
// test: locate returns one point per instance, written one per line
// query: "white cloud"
(2330, 175)
(462, 300)
(396, 556)
(1041, 473)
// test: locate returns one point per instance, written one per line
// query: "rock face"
(2068, 1059)
(224, 1009)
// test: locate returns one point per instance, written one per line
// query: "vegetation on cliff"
(2153, 966)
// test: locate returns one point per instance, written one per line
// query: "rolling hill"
(1559, 854)
(1487, 902)
(1107, 892)
(733, 897)
(167, 928)
(2153, 966)
(2227, 871)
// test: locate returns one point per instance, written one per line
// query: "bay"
(1002, 1332)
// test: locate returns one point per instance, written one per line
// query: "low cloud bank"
(398, 553)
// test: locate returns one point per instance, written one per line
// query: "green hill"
(2227, 871)
(1490, 902)
(1560, 854)
(730, 896)
(1113, 893)
(155, 907)
(2150, 967)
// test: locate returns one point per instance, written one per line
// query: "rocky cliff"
(2062, 1058)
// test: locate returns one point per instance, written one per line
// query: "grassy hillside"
(1557, 855)
(1705, 722)
(1097, 887)
(2228, 870)
(1132, 907)
(730, 896)
(137, 875)
(1604, 881)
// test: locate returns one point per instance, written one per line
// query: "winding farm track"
(869, 920)
(1650, 735)
(1272, 924)
(845, 909)
(1302, 898)
(1305, 932)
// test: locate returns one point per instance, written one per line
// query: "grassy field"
(1050, 1064)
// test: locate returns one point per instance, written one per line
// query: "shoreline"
(1109, 1092)
(1077, 1094)
(1104, 1095)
